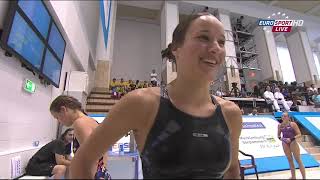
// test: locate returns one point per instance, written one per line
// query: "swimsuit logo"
(199, 135)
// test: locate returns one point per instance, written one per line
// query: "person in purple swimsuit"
(290, 131)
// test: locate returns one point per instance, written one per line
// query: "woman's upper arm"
(233, 118)
(124, 116)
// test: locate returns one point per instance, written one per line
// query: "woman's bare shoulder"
(140, 104)
(231, 113)
(143, 96)
(227, 105)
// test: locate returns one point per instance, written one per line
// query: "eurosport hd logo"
(280, 22)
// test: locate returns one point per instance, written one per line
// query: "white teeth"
(211, 62)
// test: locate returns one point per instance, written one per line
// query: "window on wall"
(316, 60)
(286, 64)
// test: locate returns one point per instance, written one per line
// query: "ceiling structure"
(126, 11)
(152, 9)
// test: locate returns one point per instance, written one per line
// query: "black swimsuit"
(180, 145)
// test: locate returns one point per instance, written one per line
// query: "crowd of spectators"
(119, 88)
(277, 92)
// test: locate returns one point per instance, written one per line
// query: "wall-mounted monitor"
(31, 34)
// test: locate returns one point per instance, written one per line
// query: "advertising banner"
(259, 137)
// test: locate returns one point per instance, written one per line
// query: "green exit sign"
(29, 86)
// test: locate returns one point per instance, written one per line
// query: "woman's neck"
(78, 115)
(191, 92)
(286, 123)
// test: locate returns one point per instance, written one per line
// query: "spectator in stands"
(113, 87)
(128, 86)
(146, 84)
(132, 86)
(256, 91)
(254, 112)
(262, 87)
(122, 88)
(290, 132)
(268, 95)
(273, 87)
(154, 79)
(296, 97)
(285, 92)
(51, 160)
(68, 111)
(138, 84)
(316, 99)
(310, 92)
(280, 99)
(243, 92)
(162, 123)
(286, 84)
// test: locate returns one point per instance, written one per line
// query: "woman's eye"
(222, 42)
(204, 38)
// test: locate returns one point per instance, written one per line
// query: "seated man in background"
(268, 95)
(280, 98)
(51, 160)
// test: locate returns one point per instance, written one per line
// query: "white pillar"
(230, 60)
(317, 41)
(105, 42)
(169, 21)
(267, 54)
(301, 56)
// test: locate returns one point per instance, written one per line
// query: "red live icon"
(281, 28)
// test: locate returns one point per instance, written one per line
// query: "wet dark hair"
(67, 101)
(179, 34)
(63, 136)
